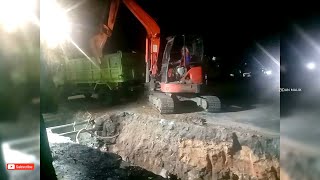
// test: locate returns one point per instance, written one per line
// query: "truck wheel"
(130, 95)
(105, 97)
(87, 95)
(62, 94)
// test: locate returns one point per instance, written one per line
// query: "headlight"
(311, 65)
(268, 73)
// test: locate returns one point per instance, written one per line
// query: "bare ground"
(74, 161)
(298, 161)
(185, 146)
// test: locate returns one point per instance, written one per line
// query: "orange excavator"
(180, 77)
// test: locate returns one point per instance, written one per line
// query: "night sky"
(296, 51)
(229, 29)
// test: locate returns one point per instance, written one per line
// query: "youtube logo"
(11, 166)
(20, 166)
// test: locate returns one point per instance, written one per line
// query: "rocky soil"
(189, 148)
(78, 162)
(298, 163)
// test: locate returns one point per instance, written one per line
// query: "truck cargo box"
(114, 68)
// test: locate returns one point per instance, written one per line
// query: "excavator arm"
(152, 39)
(98, 41)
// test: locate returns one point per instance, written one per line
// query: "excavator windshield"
(181, 51)
(197, 48)
(185, 46)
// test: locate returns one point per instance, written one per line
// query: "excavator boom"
(152, 40)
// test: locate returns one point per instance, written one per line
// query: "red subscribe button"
(20, 166)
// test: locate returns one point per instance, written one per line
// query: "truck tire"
(105, 97)
(62, 94)
(87, 95)
(130, 95)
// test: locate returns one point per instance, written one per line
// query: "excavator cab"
(182, 77)
(182, 54)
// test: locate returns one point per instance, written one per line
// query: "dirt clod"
(169, 147)
(193, 151)
(82, 163)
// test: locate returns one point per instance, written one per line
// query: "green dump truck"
(118, 75)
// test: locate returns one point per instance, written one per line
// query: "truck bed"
(114, 68)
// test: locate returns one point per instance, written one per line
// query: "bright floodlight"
(14, 14)
(269, 72)
(311, 65)
(54, 24)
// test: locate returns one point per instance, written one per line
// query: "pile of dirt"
(297, 164)
(192, 150)
(75, 161)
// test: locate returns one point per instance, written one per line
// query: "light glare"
(311, 65)
(269, 72)
(14, 14)
(55, 26)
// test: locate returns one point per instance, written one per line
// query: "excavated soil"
(174, 149)
(299, 164)
(79, 162)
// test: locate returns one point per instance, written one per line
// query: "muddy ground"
(191, 149)
(300, 156)
(298, 162)
(184, 146)
(241, 142)
(75, 161)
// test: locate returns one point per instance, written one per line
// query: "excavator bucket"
(96, 44)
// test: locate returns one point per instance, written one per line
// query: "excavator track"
(162, 102)
(213, 103)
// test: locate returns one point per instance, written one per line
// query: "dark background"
(296, 52)
(229, 29)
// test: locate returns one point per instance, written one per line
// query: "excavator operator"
(185, 58)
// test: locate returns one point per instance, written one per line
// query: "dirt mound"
(297, 163)
(75, 161)
(191, 150)
(171, 146)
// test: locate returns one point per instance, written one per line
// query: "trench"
(177, 148)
